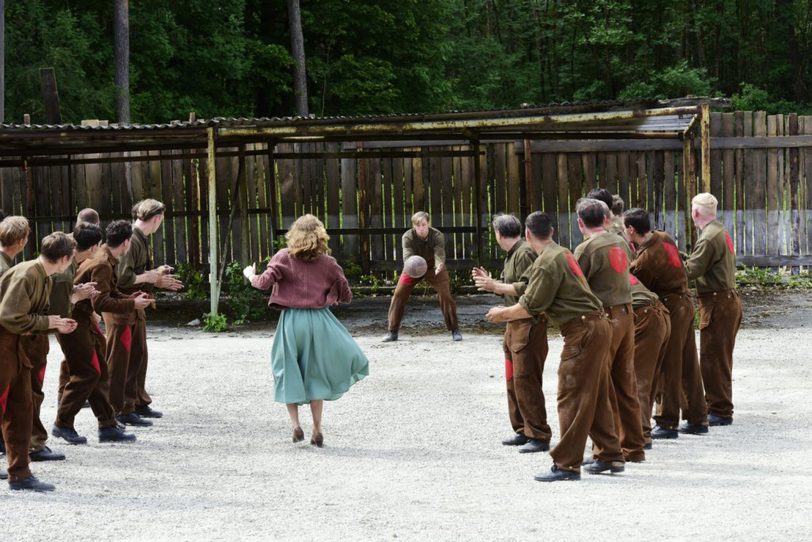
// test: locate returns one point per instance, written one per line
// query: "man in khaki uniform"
(24, 293)
(604, 258)
(651, 331)
(86, 371)
(712, 265)
(135, 274)
(557, 287)
(659, 267)
(429, 243)
(614, 222)
(525, 343)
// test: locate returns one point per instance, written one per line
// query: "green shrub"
(215, 323)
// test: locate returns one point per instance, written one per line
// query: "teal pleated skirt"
(314, 357)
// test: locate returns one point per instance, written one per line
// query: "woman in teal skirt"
(314, 358)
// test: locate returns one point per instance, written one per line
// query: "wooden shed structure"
(644, 125)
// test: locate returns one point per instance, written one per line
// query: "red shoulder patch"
(729, 242)
(618, 259)
(574, 267)
(673, 254)
(633, 280)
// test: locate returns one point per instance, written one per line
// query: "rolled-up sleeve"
(540, 291)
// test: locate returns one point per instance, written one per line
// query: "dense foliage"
(231, 57)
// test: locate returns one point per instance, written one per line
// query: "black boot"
(146, 412)
(114, 434)
(557, 475)
(69, 434)
(390, 336)
(46, 454)
(133, 419)
(30, 484)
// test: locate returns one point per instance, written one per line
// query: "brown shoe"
(298, 434)
(317, 440)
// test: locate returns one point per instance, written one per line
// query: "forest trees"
(233, 57)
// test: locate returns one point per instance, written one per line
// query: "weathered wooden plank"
(716, 157)
(513, 180)
(772, 192)
(349, 209)
(419, 183)
(728, 201)
(794, 181)
(202, 176)
(445, 184)
(588, 167)
(563, 221)
(332, 173)
(739, 130)
(612, 179)
(165, 195)
(758, 188)
(387, 207)
(549, 184)
(499, 178)
(658, 183)
(669, 190)
(466, 184)
(575, 181)
(287, 186)
(806, 185)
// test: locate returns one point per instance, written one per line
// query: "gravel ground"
(412, 452)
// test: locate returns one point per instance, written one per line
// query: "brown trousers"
(652, 327)
(583, 392)
(720, 316)
(679, 384)
(87, 379)
(16, 405)
(526, 349)
(139, 335)
(623, 389)
(125, 343)
(404, 289)
(35, 348)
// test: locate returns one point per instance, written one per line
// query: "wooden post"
(706, 147)
(689, 179)
(272, 196)
(478, 202)
(531, 202)
(212, 167)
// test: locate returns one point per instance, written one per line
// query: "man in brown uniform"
(135, 275)
(604, 258)
(13, 238)
(87, 376)
(63, 291)
(712, 265)
(429, 243)
(557, 287)
(24, 292)
(34, 346)
(525, 343)
(679, 383)
(652, 328)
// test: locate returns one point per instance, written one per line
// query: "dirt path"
(413, 451)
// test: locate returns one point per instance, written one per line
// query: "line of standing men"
(77, 276)
(627, 321)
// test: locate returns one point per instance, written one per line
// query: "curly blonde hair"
(307, 238)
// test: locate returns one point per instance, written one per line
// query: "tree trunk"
(121, 31)
(298, 52)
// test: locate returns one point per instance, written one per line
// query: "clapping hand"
(249, 272)
(483, 280)
(495, 315)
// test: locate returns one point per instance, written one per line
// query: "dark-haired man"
(87, 378)
(24, 292)
(525, 343)
(604, 258)
(659, 267)
(135, 274)
(614, 223)
(557, 287)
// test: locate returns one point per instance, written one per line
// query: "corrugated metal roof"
(640, 118)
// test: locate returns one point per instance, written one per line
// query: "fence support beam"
(706, 147)
(212, 169)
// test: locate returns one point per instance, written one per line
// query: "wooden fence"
(366, 193)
